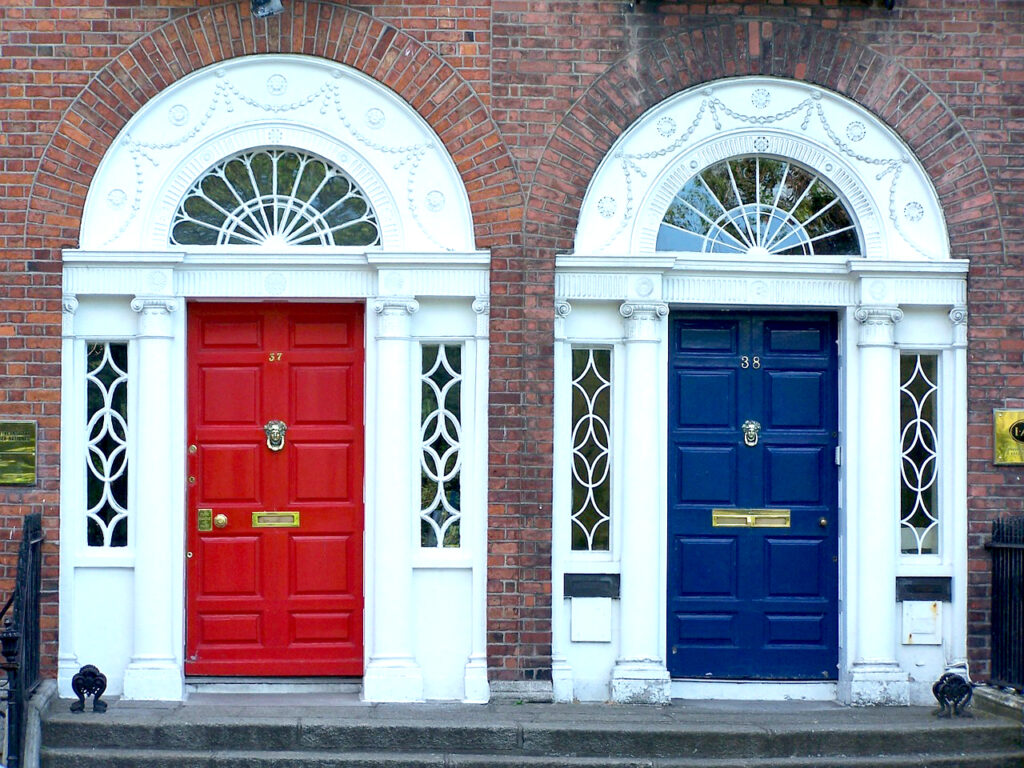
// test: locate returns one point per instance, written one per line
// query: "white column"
(875, 675)
(957, 509)
(154, 672)
(477, 689)
(561, 671)
(640, 674)
(392, 673)
(72, 492)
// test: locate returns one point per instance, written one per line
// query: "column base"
(641, 682)
(562, 682)
(394, 680)
(478, 690)
(153, 680)
(877, 684)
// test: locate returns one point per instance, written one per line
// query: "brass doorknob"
(823, 522)
(220, 521)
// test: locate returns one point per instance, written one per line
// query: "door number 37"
(750, 362)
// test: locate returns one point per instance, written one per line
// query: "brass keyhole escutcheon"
(751, 432)
(220, 521)
(275, 430)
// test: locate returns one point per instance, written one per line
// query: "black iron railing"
(1007, 548)
(19, 638)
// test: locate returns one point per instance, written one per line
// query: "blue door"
(752, 528)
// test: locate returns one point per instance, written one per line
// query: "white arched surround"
(903, 294)
(122, 608)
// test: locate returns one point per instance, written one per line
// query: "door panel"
(267, 601)
(753, 602)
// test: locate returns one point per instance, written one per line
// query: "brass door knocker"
(751, 430)
(275, 429)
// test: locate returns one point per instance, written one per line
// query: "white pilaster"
(875, 675)
(561, 671)
(72, 490)
(477, 688)
(957, 650)
(640, 674)
(154, 672)
(392, 673)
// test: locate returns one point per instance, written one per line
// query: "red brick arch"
(213, 34)
(650, 74)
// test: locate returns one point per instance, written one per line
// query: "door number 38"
(750, 362)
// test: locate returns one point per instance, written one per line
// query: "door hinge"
(839, 456)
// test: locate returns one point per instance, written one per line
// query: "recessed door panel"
(275, 531)
(753, 491)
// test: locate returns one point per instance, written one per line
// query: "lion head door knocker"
(751, 431)
(275, 430)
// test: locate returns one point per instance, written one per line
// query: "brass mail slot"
(275, 519)
(750, 518)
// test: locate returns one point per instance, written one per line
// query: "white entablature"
(307, 103)
(884, 186)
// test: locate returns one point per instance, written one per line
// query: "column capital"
(482, 305)
(958, 317)
(155, 305)
(68, 307)
(562, 308)
(642, 319)
(393, 313)
(877, 324)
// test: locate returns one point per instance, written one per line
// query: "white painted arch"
(302, 102)
(904, 294)
(884, 185)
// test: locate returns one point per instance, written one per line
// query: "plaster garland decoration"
(886, 189)
(297, 102)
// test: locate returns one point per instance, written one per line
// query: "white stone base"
(641, 682)
(562, 682)
(882, 684)
(478, 690)
(395, 680)
(153, 680)
(753, 690)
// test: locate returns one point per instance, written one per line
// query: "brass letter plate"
(17, 453)
(275, 519)
(750, 518)
(204, 520)
(1009, 426)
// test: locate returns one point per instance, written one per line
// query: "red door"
(275, 531)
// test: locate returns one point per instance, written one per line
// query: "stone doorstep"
(1002, 703)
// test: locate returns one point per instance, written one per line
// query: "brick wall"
(528, 95)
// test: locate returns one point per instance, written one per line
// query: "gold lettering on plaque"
(17, 453)
(204, 520)
(1009, 436)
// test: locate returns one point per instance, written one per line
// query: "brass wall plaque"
(1009, 442)
(204, 520)
(275, 519)
(17, 453)
(750, 518)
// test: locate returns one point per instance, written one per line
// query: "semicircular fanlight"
(275, 198)
(759, 206)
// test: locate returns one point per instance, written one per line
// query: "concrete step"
(64, 757)
(345, 732)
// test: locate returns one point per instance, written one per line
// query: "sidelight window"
(274, 197)
(919, 516)
(107, 444)
(591, 448)
(441, 445)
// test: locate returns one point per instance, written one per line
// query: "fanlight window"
(275, 198)
(759, 206)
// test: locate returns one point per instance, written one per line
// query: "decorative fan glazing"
(759, 206)
(275, 198)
